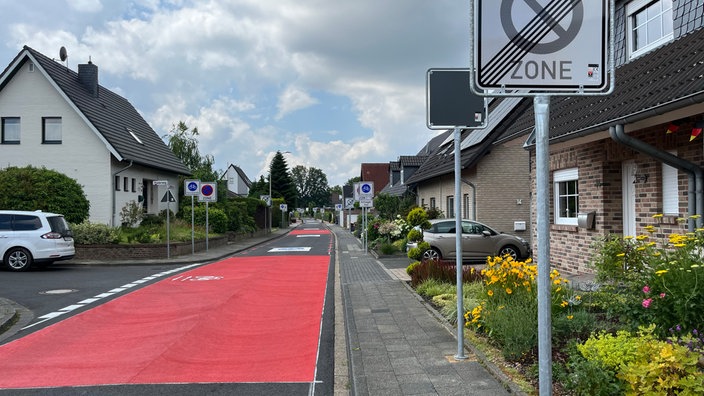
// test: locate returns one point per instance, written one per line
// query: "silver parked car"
(33, 237)
(478, 242)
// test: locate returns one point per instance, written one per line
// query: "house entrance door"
(628, 172)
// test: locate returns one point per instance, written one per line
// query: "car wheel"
(509, 250)
(18, 259)
(432, 254)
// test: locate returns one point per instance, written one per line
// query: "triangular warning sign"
(168, 196)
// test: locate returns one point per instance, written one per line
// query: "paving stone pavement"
(396, 346)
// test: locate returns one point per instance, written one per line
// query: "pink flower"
(646, 289)
(646, 302)
(662, 295)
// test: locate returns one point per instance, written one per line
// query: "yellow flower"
(621, 255)
(660, 272)
(679, 245)
(642, 237)
(508, 291)
(490, 293)
(564, 304)
(578, 297)
(570, 317)
(650, 228)
(628, 237)
(657, 216)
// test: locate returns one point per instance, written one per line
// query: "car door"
(474, 242)
(6, 233)
(443, 238)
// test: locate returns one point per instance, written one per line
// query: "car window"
(471, 228)
(447, 227)
(26, 223)
(58, 224)
(5, 222)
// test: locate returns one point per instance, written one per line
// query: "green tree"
(43, 189)
(353, 180)
(259, 188)
(184, 143)
(311, 185)
(281, 183)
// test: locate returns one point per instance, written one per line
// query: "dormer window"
(649, 25)
(134, 135)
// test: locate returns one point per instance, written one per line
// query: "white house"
(64, 120)
(237, 181)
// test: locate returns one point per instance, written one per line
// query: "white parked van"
(33, 237)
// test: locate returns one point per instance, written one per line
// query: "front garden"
(635, 330)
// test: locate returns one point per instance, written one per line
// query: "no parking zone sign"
(208, 192)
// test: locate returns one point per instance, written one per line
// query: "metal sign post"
(192, 188)
(560, 48)
(450, 103)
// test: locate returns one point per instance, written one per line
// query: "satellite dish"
(62, 54)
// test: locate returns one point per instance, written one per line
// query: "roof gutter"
(695, 198)
(692, 99)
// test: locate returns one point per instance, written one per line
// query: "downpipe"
(695, 199)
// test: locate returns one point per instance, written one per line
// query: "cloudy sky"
(335, 82)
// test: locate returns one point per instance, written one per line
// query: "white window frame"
(11, 130)
(670, 190)
(51, 130)
(564, 176)
(663, 15)
(450, 206)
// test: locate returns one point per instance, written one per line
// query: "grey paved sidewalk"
(395, 345)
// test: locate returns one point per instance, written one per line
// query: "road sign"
(349, 203)
(168, 197)
(191, 188)
(366, 203)
(208, 192)
(338, 207)
(266, 199)
(283, 207)
(160, 183)
(366, 190)
(523, 45)
(450, 102)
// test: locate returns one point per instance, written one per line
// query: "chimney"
(88, 77)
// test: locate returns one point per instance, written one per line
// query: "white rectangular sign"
(521, 45)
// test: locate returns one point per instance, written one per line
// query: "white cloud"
(293, 99)
(89, 6)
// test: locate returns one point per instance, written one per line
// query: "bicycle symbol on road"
(196, 278)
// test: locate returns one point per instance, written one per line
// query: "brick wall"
(600, 190)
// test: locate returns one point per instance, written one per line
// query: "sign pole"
(168, 223)
(459, 268)
(206, 225)
(542, 175)
(193, 232)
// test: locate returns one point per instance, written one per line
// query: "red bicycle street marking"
(248, 319)
(309, 231)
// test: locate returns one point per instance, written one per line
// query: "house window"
(450, 206)
(117, 183)
(51, 130)
(670, 190)
(566, 196)
(10, 130)
(432, 203)
(125, 184)
(465, 203)
(649, 25)
(134, 185)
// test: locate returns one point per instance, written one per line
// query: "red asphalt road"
(244, 319)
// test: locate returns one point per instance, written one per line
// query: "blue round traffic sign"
(192, 186)
(366, 188)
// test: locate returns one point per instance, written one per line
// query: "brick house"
(400, 171)
(378, 173)
(612, 155)
(495, 173)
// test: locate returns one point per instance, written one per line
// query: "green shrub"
(434, 287)
(150, 221)
(414, 235)
(87, 233)
(416, 253)
(131, 214)
(411, 267)
(388, 248)
(418, 218)
(217, 219)
(400, 245)
(643, 364)
(32, 188)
